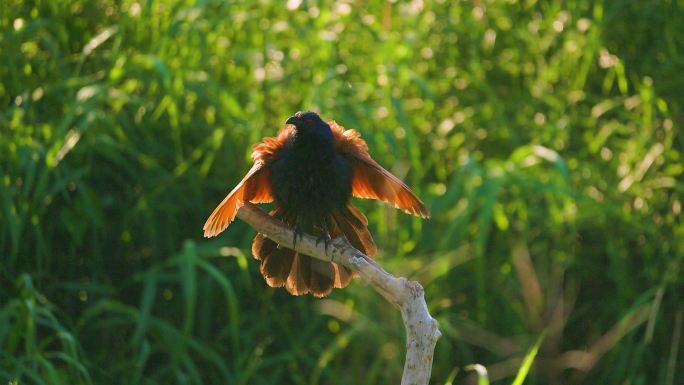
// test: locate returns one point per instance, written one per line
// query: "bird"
(309, 171)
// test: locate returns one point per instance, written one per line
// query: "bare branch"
(422, 330)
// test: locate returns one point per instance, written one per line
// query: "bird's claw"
(325, 237)
(297, 232)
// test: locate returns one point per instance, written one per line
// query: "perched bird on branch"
(310, 171)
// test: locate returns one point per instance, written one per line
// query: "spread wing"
(369, 179)
(254, 187)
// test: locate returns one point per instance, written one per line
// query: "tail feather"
(299, 278)
(353, 225)
(301, 274)
(322, 278)
(342, 276)
(277, 266)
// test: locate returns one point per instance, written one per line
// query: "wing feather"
(369, 179)
(254, 187)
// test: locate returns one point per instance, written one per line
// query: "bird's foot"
(325, 236)
(297, 233)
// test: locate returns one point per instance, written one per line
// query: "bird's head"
(309, 123)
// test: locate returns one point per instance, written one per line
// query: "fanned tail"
(301, 274)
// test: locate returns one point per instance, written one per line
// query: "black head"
(310, 123)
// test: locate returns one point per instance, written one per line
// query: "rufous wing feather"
(254, 188)
(372, 181)
(369, 179)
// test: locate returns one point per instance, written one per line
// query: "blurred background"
(543, 136)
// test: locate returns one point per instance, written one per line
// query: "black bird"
(310, 171)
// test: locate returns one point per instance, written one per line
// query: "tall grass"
(543, 135)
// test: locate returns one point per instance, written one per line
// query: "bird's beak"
(292, 120)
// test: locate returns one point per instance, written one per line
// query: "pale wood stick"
(422, 330)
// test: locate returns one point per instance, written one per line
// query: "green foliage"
(527, 362)
(543, 135)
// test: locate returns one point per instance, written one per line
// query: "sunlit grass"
(543, 136)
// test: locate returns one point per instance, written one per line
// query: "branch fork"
(422, 330)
